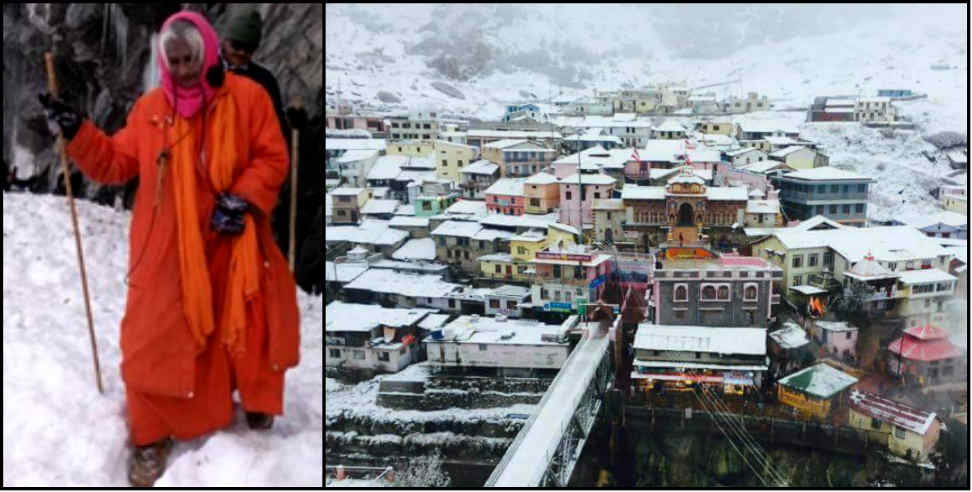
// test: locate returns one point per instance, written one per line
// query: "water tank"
(436, 334)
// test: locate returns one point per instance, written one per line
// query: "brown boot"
(259, 421)
(148, 463)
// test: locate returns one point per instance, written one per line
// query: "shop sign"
(560, 307)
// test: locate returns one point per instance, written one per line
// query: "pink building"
(566, 274)
(575, 199)
(838, 338)
(506, 196)
(373, 124)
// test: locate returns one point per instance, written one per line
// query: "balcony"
(882, 295)
(775, 298)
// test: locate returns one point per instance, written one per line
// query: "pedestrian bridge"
(547, 448)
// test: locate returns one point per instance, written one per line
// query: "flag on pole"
(686, 146)
(635, 156)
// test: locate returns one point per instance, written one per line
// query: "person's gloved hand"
(296, 117)
(68, 119)
(228, 215)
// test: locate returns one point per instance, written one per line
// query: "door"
(608, 235)
(509, 270)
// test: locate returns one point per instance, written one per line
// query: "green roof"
(821, 381)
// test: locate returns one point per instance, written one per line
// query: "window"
(483, 347)
(828, 258)
(797, 261)
(698, 355)
(494, 303)
(580, 292)
(681, 292)
(394, 125)
(335, 353)
(568, 195)
(899, 433)
(383, 356)
(445, 162)
(534, 202)
(708, 292)
(341, 213)
(749, 293)
(544, 294)
(597, 194)
(511, 305)
(399, 148)
(459, 162)
(344, 199)
(426, 205)
(498, 268)
(875, 423)
(796, 280)
(567, 295)
(556, 271)
(812, 260)
(452, 303)
(406, 125)
(520, 250)
(723, 292)
(833, 209)
(861, 188)
(834, 188)
(359, 354)
(578, 272)
(482, 244)
(848, 335)
(557, 295)
(427, 126)
(679, 314)
(466, 254)
(846, 209)
(859, 208)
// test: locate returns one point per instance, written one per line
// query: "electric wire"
(733, 444)
(756, 456)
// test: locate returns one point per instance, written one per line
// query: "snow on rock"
(447, 90)
(57, 429)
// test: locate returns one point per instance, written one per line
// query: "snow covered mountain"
(57, 429)
(496, 53)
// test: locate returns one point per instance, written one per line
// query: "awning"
(808, 289)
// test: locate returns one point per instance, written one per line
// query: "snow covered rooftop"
(780, 141)
(357, 155)
(525, 220)
(595, 179)
(727, 193)
(945, 217)
(762, 167)
(506, 186)
(766, 126)
(379, 206)
(787, 151)
(498, 257)
(343, 272)
(403, 284)
(763, 206)
(481, 166)
(416, 249)
(374, 232)
(513, 134)
(516, 291)
(341, 316)
(408, 221)
(634, 192)
(910, 277)
(387, 167)
(826, 173)
(791, 336)
(745, 341)
(892, 412)
(741, 151)
(475, 208)
(670, 126)
(354, 144)
(346, 191)
(609, 204)
(457, 228)
(541, 179)
(564, 227)
(808, 289)
(887, 243)
(597, 157)
(835, 325)
(490, 330)
(821, 381)
(433, 321)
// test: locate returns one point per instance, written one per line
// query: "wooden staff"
(293, 199)
(52, 84)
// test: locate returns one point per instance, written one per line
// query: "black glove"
(296, 117)
(67, 118)
(228, 215)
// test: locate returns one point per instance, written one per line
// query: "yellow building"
(723, 127)
(906, 431)
(451, 158)
(497, 266)
(797, 263)
(557, 232)
(414, 148)
(817, 391)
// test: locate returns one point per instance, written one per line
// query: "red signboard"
(558, 256)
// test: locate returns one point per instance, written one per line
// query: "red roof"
(927, 332)
(892, 412)
(925, 350)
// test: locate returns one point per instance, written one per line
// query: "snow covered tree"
(424, 471)
(851, 301)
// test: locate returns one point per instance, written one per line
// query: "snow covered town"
(618, 286)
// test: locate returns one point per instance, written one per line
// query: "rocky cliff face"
(103, 65)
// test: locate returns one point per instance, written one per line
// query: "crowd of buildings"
(721, 223)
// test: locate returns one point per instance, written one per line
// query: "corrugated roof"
(821, 381)
(745, 341)
(892, 412)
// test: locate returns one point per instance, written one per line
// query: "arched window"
(681, 292)
(749, 293)
(723, 292)
(708, 292)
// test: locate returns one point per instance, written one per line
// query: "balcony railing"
(775, 298)
(883, 294)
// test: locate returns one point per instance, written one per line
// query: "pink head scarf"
(188, 101)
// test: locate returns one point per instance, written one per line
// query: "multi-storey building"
(348, 203)
(451, 157)
(519, 158)
(752, 102)
(834, 193)
(351, 331)
(875, 110)
(506, 196)
(477, 177)
(541, 193)
(419, 125)
(954, 198)
(577, 195)
(462, 243)
(568, 275)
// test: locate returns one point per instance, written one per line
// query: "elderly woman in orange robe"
(211, 303)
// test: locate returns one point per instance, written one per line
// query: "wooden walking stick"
(52, 84)
(294, 134)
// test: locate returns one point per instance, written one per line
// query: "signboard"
(560, 307)
(559, 256)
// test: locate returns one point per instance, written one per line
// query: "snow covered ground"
(57, 429)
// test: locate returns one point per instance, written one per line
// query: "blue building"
(834, 193)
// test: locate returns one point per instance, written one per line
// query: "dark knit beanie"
(246, 28)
